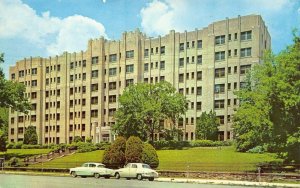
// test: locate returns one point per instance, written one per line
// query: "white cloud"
(56, 35)
(160, 16)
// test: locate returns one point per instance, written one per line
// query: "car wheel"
(151, 179)
(74, 174)
(117, 175)
(139, 177)
(97, 175)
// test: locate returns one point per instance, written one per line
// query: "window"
(245, 52)
(199, 75)
(162, 78)
(229, 53)
(146, 67)
(219, 88)
(129, 82)
(235, 36)
(129, 68)
(112, 71)
(246, 35)
(58, 68)
(199, 43)
(71, 91)
(130, 54)
(94, 73)
(156, 50)
(219, 56)
(228, 86)
(112, 98)
(219, 104)
(94, 113)
(34, 71)
(33, 95)
(199, 90)
(94, 87)
(112, 85)
(181, 46)
(199, 59)
(94, 60)
(162, 50)
(187, 60)
(181, 62)
(180, 91)
(83, 63)
(71, 65)
(220, 40)
(20, 130)
(146, 53)
(221, 120)
(229, 37)
(244, 69)
(20, 119)
(198, 106)
(219, 73)
(71, 78)
(181, 78)
(94, 100)
(112, 57)
(34, 83)
(47, 81)
(235, 52)
(187, 44)
(235, 85)
(13, 76)
(111, 112)
(47, 69)
(162, 65)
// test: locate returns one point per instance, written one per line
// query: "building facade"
(76, 94)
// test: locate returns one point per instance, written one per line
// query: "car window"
(92, 165)
(100, 166)
(85, 165)
(146, 166)
(134, 166)
(127, 166)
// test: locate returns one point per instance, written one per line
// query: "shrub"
(257, 149)
(102, 145)
(9, 145)
(149, 155)
(134, 150)
(83, 147)
(172, 144)
(29, 146)
(17, 145)
(30, 135)
(114, 156)
(89, 139)
(14, 161)
(77, 139)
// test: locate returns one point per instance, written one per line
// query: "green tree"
(3, 139)
(30, 135)
(134, 150)
(207, 126)
(149, 155)
(143, 106)
(270, 104)
(4, 115)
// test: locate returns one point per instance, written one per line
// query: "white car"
(136, 170)
(92, 169)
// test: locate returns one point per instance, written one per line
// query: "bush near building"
(149, 155)
(134, 150)
(114, 155)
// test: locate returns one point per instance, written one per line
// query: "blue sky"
(44, 28)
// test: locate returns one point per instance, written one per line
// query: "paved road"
(26, 181)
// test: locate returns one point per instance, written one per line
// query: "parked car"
(136, 170)
(92, 169)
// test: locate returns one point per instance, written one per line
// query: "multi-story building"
(76, 94)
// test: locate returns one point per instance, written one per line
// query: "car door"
(132, 171)
(90, 170)
(124, 172)
(82, 170)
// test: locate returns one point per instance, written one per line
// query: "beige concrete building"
(76, 94)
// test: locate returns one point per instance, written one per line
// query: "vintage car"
(136, 170)
(92, 169)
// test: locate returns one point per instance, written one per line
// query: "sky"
(50, 27)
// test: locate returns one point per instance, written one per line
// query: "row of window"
(146, 66)
(199, 45)
(246, 35)
(52, 117)
(77, 127)
(21, 119)
(220, 104)
(192, 89)
(55, 128)
(50, 80)
(162, 51)
(245, 52)
(52, 104)
(52, 68)
(22, 73)
(220, 72)
(161, 78)
(198, 76)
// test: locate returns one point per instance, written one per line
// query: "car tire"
(97, 175)
(117, 175)
(151, 179)
(139, 177)
(74, 175)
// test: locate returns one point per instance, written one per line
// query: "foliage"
(12, 93)
(89, 140)
(134, 150)
(207, 126)
(14, 162)
(77, 139)
(149, 155)
(209, 143)
(4, 115)
(102, 145)
(143, 106)
(172, 134)
(114, 155)
(173, 144)
(83, 147)
(2, 141)
(270, 105)
(257, 149)
(30, 135)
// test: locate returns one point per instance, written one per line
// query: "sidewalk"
(226, 182)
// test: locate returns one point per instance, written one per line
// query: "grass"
(73, 160)
(195, 159)
(22, 153)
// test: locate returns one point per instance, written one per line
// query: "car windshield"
(85, 165)
(146, 166)
(100, 166)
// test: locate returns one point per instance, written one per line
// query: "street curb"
(226, 182)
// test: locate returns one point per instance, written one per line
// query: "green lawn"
(22, 153)
(195, 159)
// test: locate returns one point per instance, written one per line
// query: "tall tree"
(269, 114)
(3, 139)
(12, 93)
(207, 126)
(143, 106)
(30, 135)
